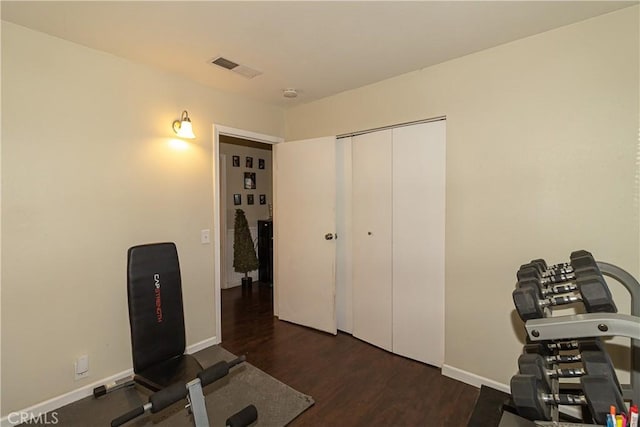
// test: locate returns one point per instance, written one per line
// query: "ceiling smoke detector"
(290, 93)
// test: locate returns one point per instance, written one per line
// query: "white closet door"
(304, 226)
(371, 238)
(418, 241)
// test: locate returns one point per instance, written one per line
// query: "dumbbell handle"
(589, 344)
(558, 278)
(564, 345)
(563, 358)
(559, 288)
(564, 399)
(560, 266)
(560, 300)
(566, 373)
(558, 269)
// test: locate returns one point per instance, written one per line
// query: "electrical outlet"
(81, 367)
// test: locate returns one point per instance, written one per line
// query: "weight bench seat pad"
(156, 316)
(181, 368)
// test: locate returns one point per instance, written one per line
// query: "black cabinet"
(265, 251)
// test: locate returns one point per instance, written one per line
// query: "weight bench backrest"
(156, 315)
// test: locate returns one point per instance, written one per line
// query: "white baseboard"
(194, 348)
(473, 379)
(478, 381)
(52, 404)
(13, 418)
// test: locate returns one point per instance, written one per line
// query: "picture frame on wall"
(260, 163)
(249, 162)
(263, 199)
(235, 161)
(237, 199)
(249, 180)
(249, 199)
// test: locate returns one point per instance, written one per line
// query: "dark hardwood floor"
(353, 383)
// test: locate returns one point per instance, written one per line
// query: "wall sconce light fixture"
(182, 127)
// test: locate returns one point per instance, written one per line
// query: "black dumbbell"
(544, 291)
(537, 269)
(594, 294)
(550, 349)
(594, 363)
(565, 267)
(577, 260)
(560, 284)
(544, 270)
(533, 399)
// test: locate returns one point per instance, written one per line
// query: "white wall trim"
(87, 390)
(245, 134)
(473, 379)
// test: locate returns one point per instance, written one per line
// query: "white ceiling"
(320, 48)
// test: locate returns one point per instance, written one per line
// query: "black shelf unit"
(265, 251)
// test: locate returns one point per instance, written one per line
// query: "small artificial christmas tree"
(244, 253)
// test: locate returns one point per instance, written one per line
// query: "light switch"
(205, 238)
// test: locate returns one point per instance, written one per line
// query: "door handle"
(328, 236)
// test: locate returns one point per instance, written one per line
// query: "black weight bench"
(156, 318)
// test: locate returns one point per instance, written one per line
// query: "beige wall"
(88, 170)
(542, 151)
(235, 183)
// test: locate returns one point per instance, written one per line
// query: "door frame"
(218, 204)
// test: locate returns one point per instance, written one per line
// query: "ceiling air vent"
(224, 63)
(243, 70)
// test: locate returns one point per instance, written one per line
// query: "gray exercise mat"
(277, 403)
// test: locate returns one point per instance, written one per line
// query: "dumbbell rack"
(600, 325)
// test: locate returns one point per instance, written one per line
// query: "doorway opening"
(242, 179)
(247, 185)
